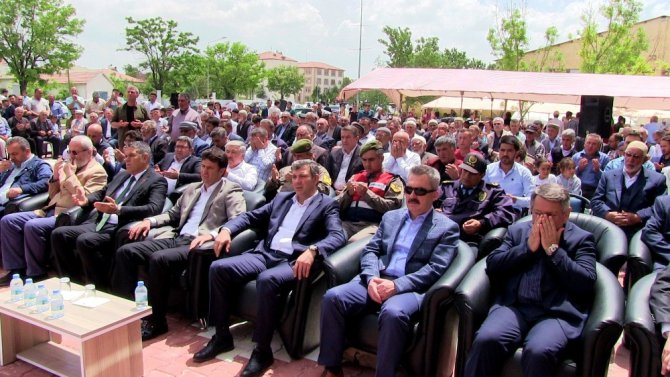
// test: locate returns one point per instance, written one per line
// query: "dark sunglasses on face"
(418, 191)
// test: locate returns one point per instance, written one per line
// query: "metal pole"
(360, 48)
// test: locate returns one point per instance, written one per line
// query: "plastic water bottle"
(141, 296)
(42, 299)
(29, 293)
(57, 307)
(16, 288)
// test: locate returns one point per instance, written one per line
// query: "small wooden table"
(109, 336)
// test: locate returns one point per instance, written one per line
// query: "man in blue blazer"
(24, 174)
(301, 226)
(410, 251)
(546, 271)
(625, 196)
(656, 233)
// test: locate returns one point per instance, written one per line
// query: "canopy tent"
(465, 103)
(630, 92)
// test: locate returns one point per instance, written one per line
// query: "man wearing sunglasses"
(626, 196)
(412, 248)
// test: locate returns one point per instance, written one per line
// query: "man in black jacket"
(180, 167)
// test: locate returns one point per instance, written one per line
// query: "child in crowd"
(544, 176)
(567, 178)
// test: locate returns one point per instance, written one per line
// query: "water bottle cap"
(56, 291)
(65, 280)
(16, 276)
(140, 283)
(40, 285)
(29, 281)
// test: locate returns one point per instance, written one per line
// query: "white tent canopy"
(629, 92)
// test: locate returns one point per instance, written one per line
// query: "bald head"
(94, 131)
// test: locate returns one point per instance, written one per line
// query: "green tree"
(509, 41)
(399, 47)
(35, 38)
(454, 58)
(427, 53)
(232, 69)
(189, 75)
(548, 59)
(619, 50)
(161, 44)
(285, 80)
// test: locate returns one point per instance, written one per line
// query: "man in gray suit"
(194, 220)
(410, 251)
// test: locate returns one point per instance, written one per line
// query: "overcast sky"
(323, 30)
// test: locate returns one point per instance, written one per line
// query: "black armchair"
(644, 341)
(611, 241)
(580, 204)
(174, 195)
(588, 357)
(640, 260)
(491, 241)
(29, 203)
(431, 341)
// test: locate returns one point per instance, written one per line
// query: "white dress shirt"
(283, 240)
(400, 166)
(190, 228)
(172, 183)
(341, 179)
(244, 175)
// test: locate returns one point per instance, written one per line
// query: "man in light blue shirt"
(395, 274)
(514, 178)
(590, 163)
(617, 163)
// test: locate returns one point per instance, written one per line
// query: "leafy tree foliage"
(232, 69)
(285, 80)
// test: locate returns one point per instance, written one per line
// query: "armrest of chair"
(640, 330)
(344, 264)
(604, 324)
(640, 261)
(177, 193)
(29, 203)
(71, 216)
(472, 301)
(491, 241)
(245, 240)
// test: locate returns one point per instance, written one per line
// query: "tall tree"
(454, 58)
(233, 69)
(548, 59)
(427, 53)
(35, 38)
(619, 50)
(161, 44)
(509, 41)
(285, 80)
(399, 47)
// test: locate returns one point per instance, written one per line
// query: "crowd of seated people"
(413, 187)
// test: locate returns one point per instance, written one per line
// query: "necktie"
(119, 199)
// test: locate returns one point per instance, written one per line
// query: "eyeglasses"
(418, 191)
(75, 153)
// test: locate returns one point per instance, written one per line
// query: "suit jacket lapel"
(215, 193)
(141, 182)
(310, 209)
(115, 184)
(421, 236)
(283, 209)
(619, 182)
(400, 221)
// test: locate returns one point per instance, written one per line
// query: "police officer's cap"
(474, 163)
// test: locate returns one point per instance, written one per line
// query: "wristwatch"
(314, 249)
(552, 249)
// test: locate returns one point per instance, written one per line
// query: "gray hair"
(141, 148)
(83, 140)
(268, 122)
(185, 139)
(20, 141)
(236, 144)
(218, 132)
(150, 124)
(568, 133)
(313, 166)
(186, 96)
(260, 131)
(552, 192)
(274, 111)
(445, 140)
(419, 138)
(432, 174)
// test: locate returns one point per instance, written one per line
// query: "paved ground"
(170, 355)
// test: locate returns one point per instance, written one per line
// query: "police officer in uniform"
(369, 194)
(280, 180)
(474, 205)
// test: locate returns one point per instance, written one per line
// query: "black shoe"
(7, 278)
(259, 362)
(152, 329)
(212, 349)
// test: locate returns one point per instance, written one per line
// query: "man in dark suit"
(625, 196)
(306, 132)
(302, 226)
(201, 210)
(656, 232)
(345, 161)
(180, 167)
(24, 174)
(660, 308)
(190, 129)
(546, 271)
(409, 252)
(157, 144)
(133, 194)
(286, 129)
(321, 138)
